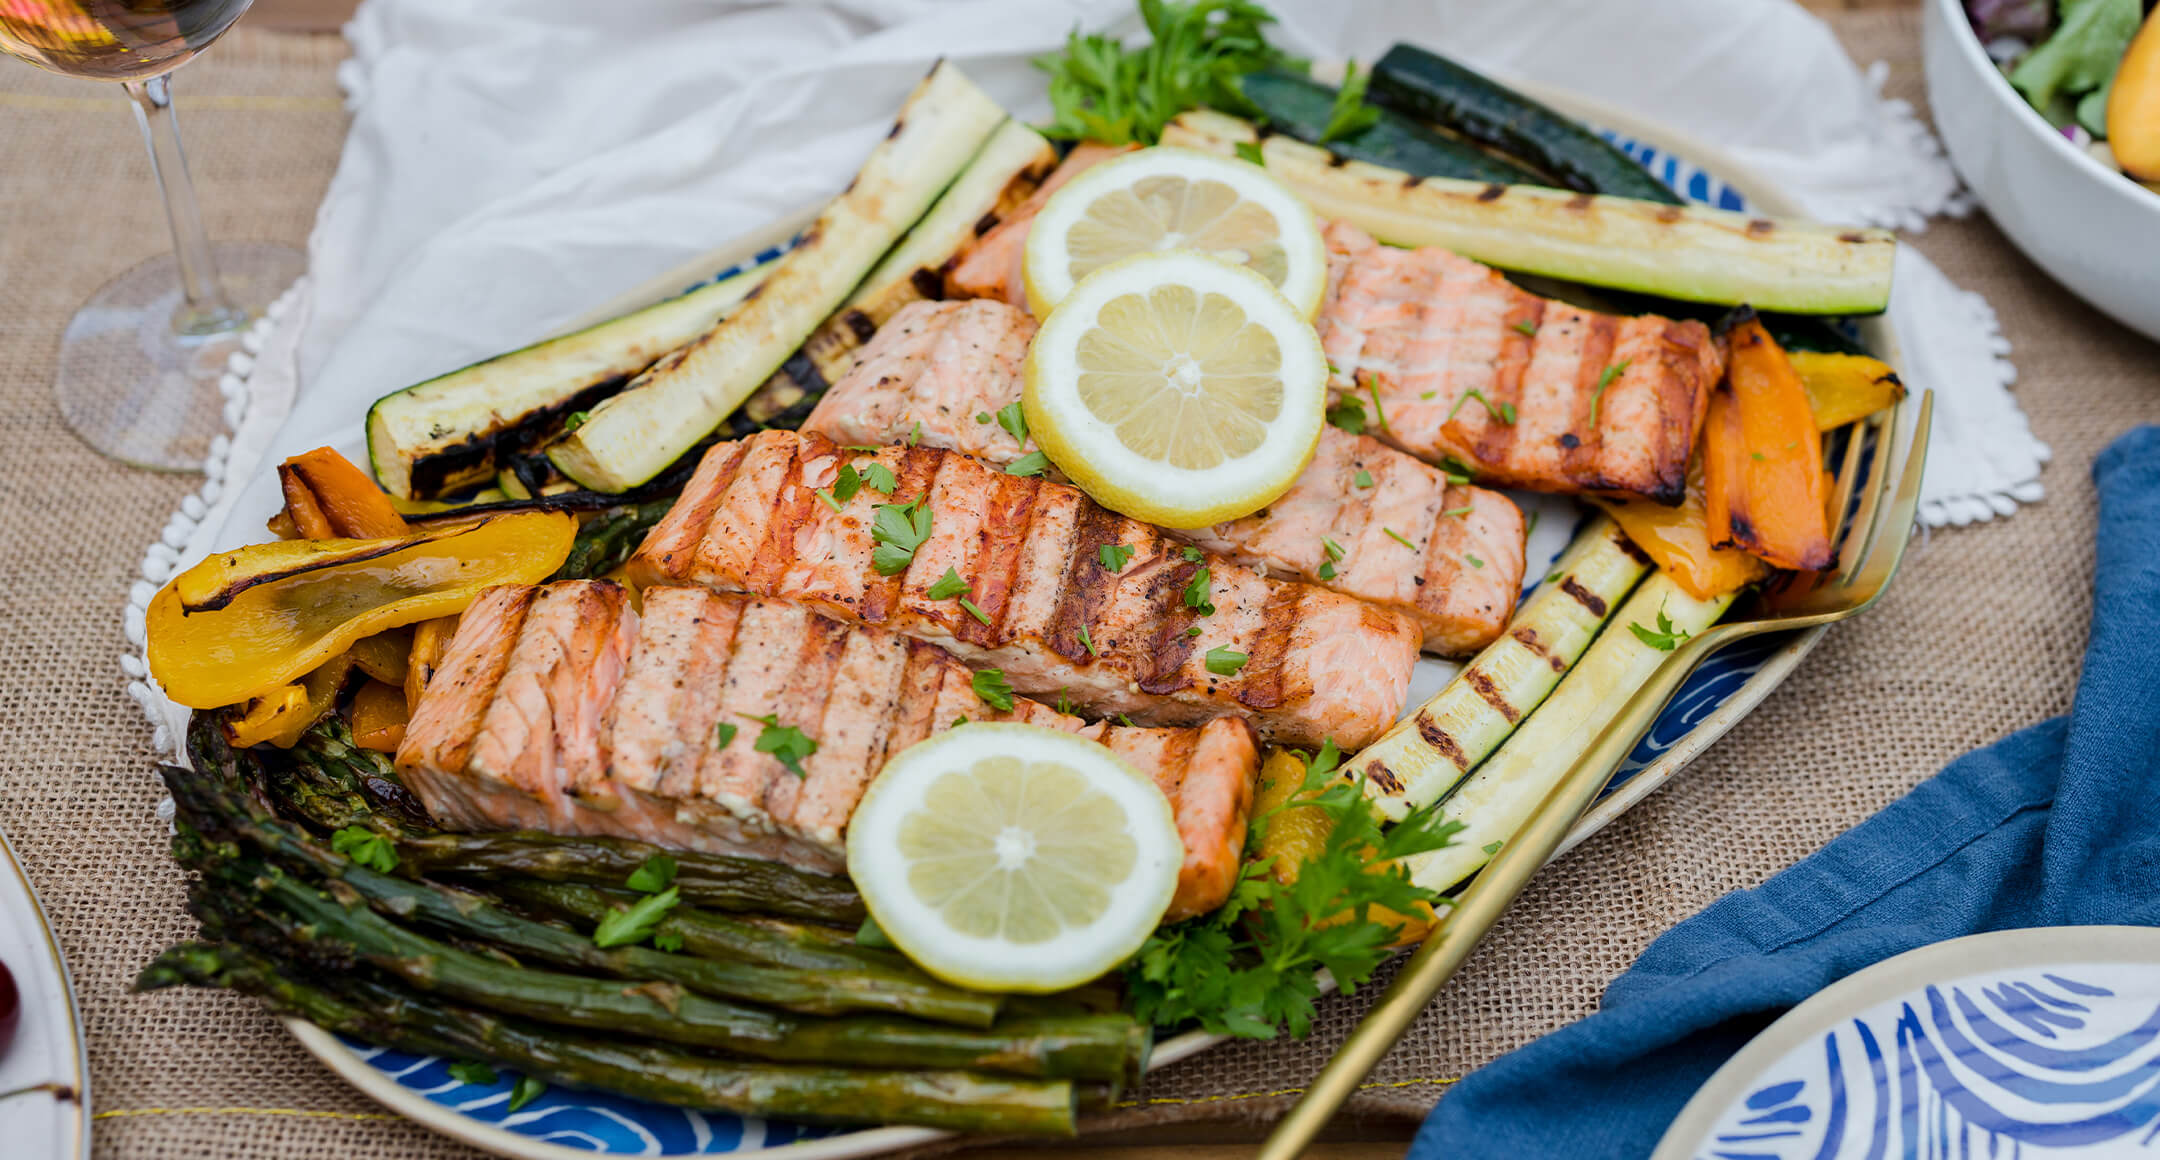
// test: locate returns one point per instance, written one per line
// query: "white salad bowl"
(2089, 227)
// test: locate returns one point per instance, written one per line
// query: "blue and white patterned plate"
(2052, 1050)
(562, 1125)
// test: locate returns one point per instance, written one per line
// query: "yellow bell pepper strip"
(244, 622)
(1842, 388)
(291, 716)
(2133, 105)
(431, 639)
(386, 656)
(346, 496)
(1678, 539)
(379, 716)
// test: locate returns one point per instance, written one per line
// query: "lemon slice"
(1167, 198)
(1013, 857)
(1177, 389)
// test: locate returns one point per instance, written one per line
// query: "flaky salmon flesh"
(1067, 598)
(563, 708)
(1525, 391)
(1364, 519)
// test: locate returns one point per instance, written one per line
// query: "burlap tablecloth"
(1981, 636)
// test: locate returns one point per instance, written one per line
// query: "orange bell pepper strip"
(1678, 539)
(354, 507)
(242, 623)
(379, 716)
(1763, 482)
(306, 517)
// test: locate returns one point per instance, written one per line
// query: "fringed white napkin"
(509, 167)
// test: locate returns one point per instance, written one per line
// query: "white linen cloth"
(511, 166)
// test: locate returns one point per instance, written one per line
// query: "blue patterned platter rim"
(564, 1125)
(2051, 1050)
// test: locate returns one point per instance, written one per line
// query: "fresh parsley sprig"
(1101, 90)
(1248, 968)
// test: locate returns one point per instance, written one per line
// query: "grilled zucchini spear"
(457, 430)
(1692, 253)
(1424, 755)
(632, 436)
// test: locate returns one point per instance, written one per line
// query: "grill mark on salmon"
(1424, 328)
(695, 660)
(1348, 662)
(1263, 669)
(920, 373)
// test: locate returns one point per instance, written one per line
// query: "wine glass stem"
(203, 309)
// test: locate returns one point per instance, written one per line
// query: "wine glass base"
(136, 390)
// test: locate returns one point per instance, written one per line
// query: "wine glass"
(140, 362)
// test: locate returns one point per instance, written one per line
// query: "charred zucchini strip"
(1688, 252)
(1425, 754)
(1502, 794)
(460, 429)
(631, 437)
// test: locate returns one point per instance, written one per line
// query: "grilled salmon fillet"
(938, 368)
(1300, 662)
(1526, 391)
(990, 266)
(562, 708)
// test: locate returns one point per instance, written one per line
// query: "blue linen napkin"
(2057, 825)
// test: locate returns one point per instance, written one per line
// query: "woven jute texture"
(1981, 636)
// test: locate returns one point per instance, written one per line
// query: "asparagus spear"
(953, 1100)
(241, 895)
(219, 809)
(717, 936)
(328, 784)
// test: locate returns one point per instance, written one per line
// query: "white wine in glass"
(140, 362)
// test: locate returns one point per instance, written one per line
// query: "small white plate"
(2033, 1044)
(48, 1045)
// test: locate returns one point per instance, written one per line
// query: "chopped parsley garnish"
(724, 733)
(991, 687)
(860, 447)
(1501, 412)
(1064, 703)
(1371, 388)
(1248, 968)
(653, 875)
(1014, 421)
(526, 1090)
(1524, 327)
(1758, 457)
(472, 1071)
(1191, 554)
(633, 923)
(1362, 479)
(982, 416)
(1665, 638)
(1114, 556)
(1193, 631)
(1350, 114)
(847, 483)
(915, 436)
(785, 742)
(1088, 642)
(1030, 464)
(972, 609)
(1493, 847)
(1250, 151)
(367, 847)
(1473, 561)
(1397, 537)
(870, 934)
(1604, 380)
(879, 477)
(950, 585)
(1455, 469)
(1126, 721)
(1348, 415)
(668, 941)
(1334, 553)
(1225, 662)
(1461, 511)
(1196, 593)
(575, 421)
(898, 529)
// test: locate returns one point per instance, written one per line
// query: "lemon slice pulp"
(1014, 858)
(1177, 389)
(1167, 198)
